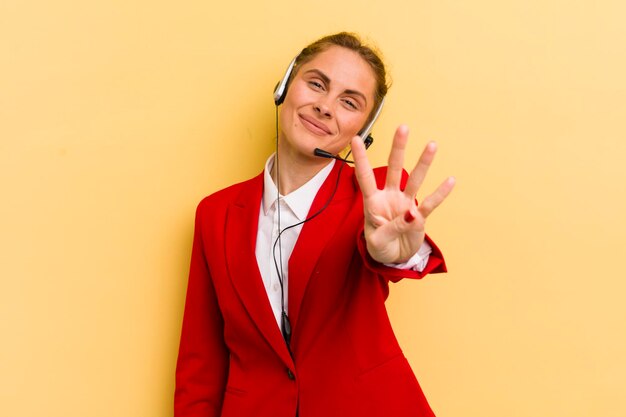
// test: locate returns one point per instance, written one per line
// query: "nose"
(323, 108)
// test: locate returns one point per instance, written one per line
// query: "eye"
(351, 103)
(316, 85)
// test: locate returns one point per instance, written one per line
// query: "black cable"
(285, 326)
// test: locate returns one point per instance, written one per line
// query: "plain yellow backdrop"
(117, 117)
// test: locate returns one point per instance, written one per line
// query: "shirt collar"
(299, 201)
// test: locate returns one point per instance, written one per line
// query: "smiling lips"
(314, 126)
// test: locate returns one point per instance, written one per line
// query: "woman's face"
(327, 103)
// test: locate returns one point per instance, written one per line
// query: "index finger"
(362, 168)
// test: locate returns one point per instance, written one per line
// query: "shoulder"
(219, 200)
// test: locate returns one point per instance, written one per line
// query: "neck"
(295, 170)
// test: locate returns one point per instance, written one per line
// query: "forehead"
(345, 69)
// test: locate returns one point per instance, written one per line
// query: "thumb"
(409, 216)
(405, 222)
(400, 238)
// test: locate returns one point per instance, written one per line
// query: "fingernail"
(408, 217)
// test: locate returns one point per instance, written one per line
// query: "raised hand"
(394, 223)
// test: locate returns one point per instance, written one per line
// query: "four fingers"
(367, 181)
(391, 232)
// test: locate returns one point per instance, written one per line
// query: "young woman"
(289, 273)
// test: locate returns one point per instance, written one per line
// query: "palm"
(394, 224)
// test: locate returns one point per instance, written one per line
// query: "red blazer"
(233, 361)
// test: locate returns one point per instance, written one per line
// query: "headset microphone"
(325, 154)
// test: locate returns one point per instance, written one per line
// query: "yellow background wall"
(116, 118)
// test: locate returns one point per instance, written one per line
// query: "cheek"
(353, 124)
(289, 108)
(286, 114)
(298, 94)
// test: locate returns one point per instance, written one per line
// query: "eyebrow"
(325, 78)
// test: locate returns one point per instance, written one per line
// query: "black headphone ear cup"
(279, 96)
(280, 99)
(280, 91)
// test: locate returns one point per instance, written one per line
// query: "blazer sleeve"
(202, 365)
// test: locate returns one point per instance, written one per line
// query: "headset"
(280, 92)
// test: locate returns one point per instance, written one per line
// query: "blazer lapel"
(240, 240)
(317, 233)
